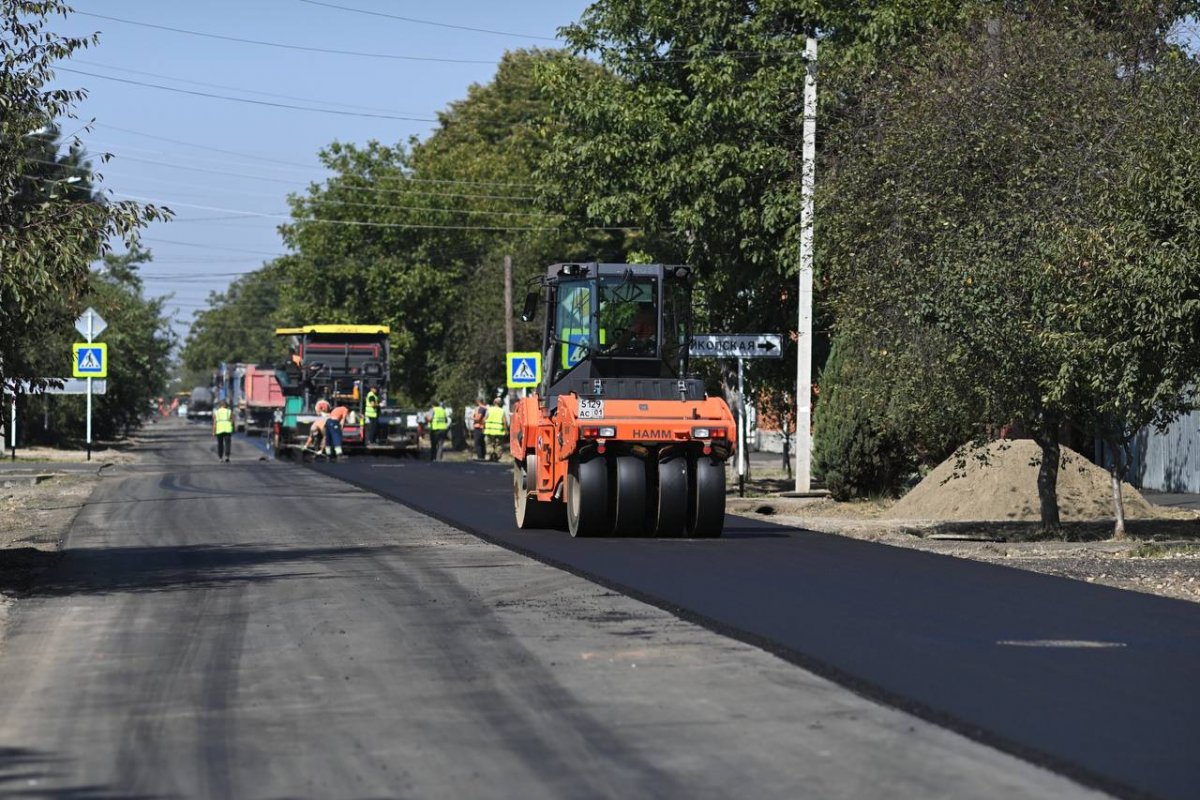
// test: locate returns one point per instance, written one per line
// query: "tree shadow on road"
(25, 773)
(89, 570)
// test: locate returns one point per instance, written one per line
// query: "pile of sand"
(1005, 488)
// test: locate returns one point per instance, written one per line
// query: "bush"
(853, 450)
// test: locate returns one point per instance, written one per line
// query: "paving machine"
(340, 363)
(618, 436)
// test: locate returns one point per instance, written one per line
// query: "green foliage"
(239, 325)
(51, 225)
(1012, 217)
(692, 132)
(139, 340)
(854, 452)
(414, 237)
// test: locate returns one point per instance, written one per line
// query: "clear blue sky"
(195, 253)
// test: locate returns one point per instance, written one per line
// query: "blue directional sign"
(524, 370)
(89, 360)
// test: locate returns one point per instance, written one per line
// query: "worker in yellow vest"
(439, 423)
(371, 412)
(495, 429)
(223, 430)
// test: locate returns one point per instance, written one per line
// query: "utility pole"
(805, 328)
(508, 306)
(508, 321)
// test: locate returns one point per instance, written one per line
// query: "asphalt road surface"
(259, 630)
(1097, 683)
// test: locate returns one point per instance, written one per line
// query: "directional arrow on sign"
(736, 345)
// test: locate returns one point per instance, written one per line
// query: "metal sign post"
(741, 430)
(91, 325)
(12, 428)
(740, 346)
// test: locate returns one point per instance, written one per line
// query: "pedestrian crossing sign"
(89, 360)
(524, 370)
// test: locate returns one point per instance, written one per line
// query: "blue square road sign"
(524, 370)
(89, 360)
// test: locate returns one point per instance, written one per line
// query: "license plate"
(591, 409)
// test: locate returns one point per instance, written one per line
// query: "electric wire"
(283, 45)
(244, 99)
(429, 22)
(306, 167)
(299, 184)
(236, 88)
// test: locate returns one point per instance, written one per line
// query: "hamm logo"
(650, 433)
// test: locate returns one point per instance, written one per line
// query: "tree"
(49, 232)
(1008, 219)
(414, 236)
(238, 327)
(139, 342)
(692, 127)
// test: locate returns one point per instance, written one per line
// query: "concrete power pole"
(508, 306)
(508, 320)
(805, 327)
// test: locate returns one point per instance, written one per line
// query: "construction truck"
(340, 364)
(200, 403)
(618, 437)
(262, 396)
(228, 386)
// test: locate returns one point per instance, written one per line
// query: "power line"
(235, 88)
(353, 223)
(204, 147)
(284, 46)
(429, 22)
(253, 157)
(299, 184)
(213, 247)
(246, 100)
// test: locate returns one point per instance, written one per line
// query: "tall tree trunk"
(1116, 470)
(1046, 436)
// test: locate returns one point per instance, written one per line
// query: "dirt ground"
(34, 456)
(1160, 555)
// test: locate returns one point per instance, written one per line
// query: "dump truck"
(262, 396)
(618, 437)
(340, 363)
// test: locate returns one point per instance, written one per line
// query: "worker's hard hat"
(322, 406)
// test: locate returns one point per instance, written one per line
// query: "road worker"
(223, 430)
(371, 412)
(495, 428)
(326, 429)
(477, 419)
(439, 424)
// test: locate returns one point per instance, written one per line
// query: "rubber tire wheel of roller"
(706, 509)
(587, 498)
(531, 512)
(671, 510)
(629, 499)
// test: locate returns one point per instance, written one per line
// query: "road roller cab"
(618, 438)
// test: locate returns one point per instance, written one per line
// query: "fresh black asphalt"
(1097, 683)
(255, 629)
